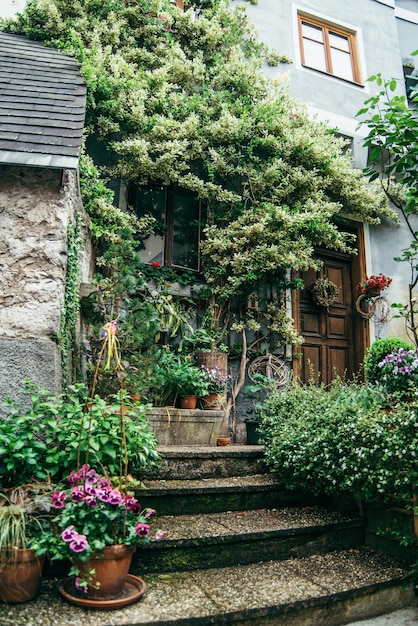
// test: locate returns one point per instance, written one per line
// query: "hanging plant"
(324, 292)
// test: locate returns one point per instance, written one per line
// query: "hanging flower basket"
(373, 285)
(324, 292)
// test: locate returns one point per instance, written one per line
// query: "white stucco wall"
(378, 29)
(9, 8)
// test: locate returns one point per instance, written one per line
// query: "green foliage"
(46, 436)
(176, 100)
(393, 150)
(341, 440)
(377, 352)
(70, 310)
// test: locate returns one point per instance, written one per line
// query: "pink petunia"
(58, 499)
(68, 534)
(91, 501)
(79, 543)
(77, 494)
(161, 534)
(142, 530)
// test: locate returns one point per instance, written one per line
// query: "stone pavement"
(403, 617)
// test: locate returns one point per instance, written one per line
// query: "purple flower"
(58, 499)
(77, 494)
(161, 534)
(149, 512)
(115, 497)
(91, 501)
(132, 505)
(68, 534)
(72, 478)
(90, 489)
(79, 543)
(103, 483)
(103, 495)
(142, 530)
(79, 585)
(91, 476)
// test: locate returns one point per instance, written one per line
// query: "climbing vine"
(67, 337)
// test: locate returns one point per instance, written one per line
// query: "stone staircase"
(256, 553)
(240, 550)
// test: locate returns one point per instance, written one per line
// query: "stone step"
(197, 462)
(250, 536)
(318, 590)
(210, 495)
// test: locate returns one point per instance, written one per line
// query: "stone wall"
(36, 205)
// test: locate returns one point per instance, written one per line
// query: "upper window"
(178, 214)
(328, 49)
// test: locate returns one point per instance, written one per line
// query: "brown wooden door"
(331, 345)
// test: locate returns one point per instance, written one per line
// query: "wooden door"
(334, 337)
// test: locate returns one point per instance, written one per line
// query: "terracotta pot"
(188, 402)
(20, 576)
(111, 569)
(374, 291)
(212, 401)
(223, 441)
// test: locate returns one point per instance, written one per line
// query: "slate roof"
(42, 105)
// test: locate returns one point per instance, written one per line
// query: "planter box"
(184, 427)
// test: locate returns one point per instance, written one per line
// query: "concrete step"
(318, 590)
(210, 495)
(197, 462)
(243, 537)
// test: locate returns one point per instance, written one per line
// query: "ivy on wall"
(68, 332)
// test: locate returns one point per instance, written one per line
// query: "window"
(178, 214)
(328, 49)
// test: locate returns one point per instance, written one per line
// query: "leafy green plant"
(51, 435)
(89, 513)
(377, 352)
(341, 439)
(188, 379)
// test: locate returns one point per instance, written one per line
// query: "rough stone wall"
(36, 205)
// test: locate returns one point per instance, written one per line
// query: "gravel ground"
(404, 617)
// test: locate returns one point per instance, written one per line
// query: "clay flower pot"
(20, 576)
(188, 402)
(111, 569)
(212, 402)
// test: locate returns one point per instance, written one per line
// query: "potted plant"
(189, 382)
(23, 522)
(374, 285)
(217, 382)
(98, 527)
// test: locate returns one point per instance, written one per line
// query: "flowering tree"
(179, 98)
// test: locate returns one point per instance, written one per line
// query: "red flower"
(155, 264)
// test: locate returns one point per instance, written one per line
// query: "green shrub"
(52, 435)
(377, 352)
(340, 440)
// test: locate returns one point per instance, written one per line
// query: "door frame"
(361, 327)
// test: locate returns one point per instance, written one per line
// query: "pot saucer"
(133, 589)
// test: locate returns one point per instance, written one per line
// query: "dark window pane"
(151, 201)
(185, 230)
